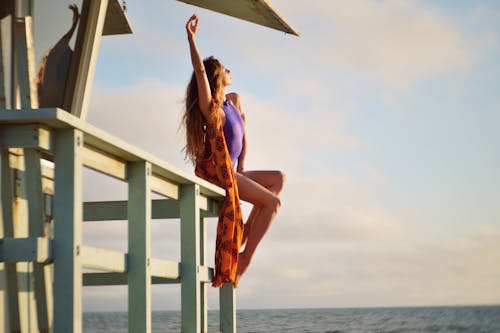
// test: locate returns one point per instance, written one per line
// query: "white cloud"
(146, 115)
(396, 272)
(392, 43)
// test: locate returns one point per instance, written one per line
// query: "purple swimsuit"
(234, 130)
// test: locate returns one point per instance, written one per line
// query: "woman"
(216, 143)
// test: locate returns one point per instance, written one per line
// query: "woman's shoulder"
(233, 98)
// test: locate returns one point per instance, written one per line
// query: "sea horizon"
(416, 319)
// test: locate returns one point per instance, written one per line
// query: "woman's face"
(226, 77)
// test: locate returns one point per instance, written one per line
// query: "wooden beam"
(26, 136)
(104, 260)
(117, 210)
(30, 249)
(105, 163)
(166, 269)
(84, 60)
(104, 279)
(118, 279)
(161, 209)
(164, 187)
(116, 20)
(206, 274)
(119, 149)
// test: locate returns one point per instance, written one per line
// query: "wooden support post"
(68, 232)
(19, 275)
(37, 228)
(24, 90)
(227, 308)
(84, 60)
(203, 285)
(7, 183)
(3, 47)
(8, 270)
(190, 257)
(139, 236)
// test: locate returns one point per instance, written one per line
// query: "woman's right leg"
(268, 204)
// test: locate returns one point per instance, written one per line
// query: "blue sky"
(384, 116)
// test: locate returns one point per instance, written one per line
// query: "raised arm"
(204, 93)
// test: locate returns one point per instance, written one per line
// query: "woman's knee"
(274, 203)
(279, 183)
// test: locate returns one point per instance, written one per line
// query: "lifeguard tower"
(43, 153)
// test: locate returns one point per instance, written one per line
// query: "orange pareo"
(217, 168)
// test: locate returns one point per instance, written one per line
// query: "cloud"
(393, 43)
(146, 115)
(462, 270)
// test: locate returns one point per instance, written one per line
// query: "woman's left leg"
(273, 181)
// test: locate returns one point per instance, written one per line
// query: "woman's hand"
(191, 26)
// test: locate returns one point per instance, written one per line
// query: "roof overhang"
(256, 11)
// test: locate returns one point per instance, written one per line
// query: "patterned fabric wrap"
(217, 168)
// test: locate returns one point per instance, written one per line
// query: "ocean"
(463, 319)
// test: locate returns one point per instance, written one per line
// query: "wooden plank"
(118, 279)
(84, 60)
(117, 210)
(116, 147)
(105, 163)
(190, 258)
(206, 274)
(227, 308)
(139, 247)
(260, 12)
(94, 211)
(167, 269)
(29, 249)
(104, 279)
(164, 187)
(102, 259)
(26, 136)
(116, 21)
(68, 232)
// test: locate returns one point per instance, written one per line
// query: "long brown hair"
(193, 120)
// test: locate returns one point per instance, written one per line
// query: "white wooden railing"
(42, 257)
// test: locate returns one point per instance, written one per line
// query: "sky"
(382, 114)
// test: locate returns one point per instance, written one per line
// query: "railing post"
(227, 304)
(68, 232)
(37, 228)
(139, 247)
(203, 286)
(190, 257)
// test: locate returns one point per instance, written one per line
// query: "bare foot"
(243, 263)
